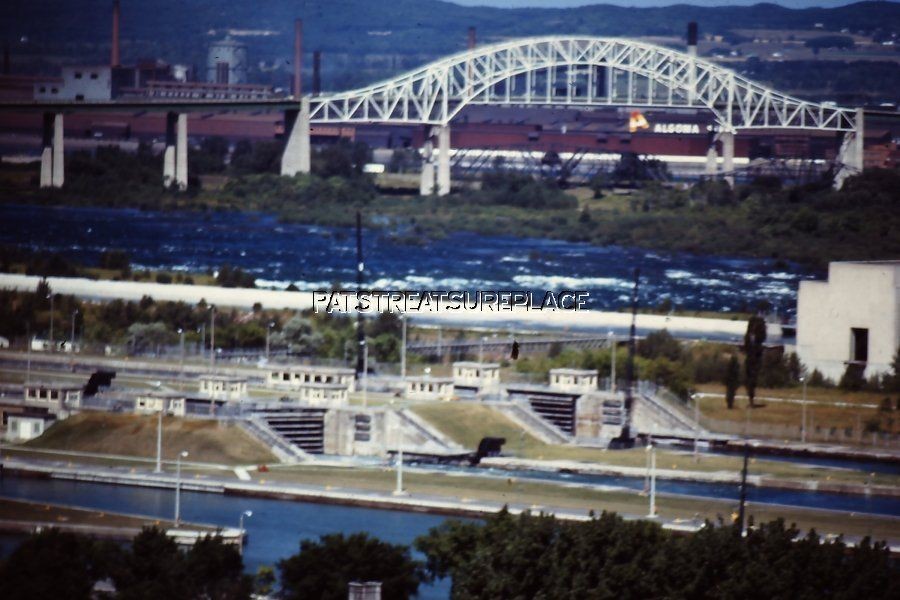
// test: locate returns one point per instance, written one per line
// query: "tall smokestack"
(114, 52)
(471, 43)
(317, 73)
(692, 38)
(298, 56)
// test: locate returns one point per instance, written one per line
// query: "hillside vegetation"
(130, 435)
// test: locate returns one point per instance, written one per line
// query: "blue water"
(879, 505)
(318, 257)
(273, 532)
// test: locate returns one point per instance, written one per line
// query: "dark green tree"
(754, 340)
(732, 380)
(323, 569)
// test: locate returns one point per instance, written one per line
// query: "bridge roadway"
(597, 323)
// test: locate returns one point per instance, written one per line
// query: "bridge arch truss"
(577, 72)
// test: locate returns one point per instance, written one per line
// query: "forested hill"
(179, 30)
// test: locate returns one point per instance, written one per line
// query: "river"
(314, 257)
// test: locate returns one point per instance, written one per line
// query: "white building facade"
(852, 318)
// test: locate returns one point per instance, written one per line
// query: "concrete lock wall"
(856, 295)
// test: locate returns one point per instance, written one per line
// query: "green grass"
(132, 435)
(467, 423)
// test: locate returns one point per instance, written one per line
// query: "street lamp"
(50, 296)
(399, 491)
(248, 514)
(212, 338)
(183, 454)
(181, 360)
(612, 370)
(803, 409)
(365, 373)
(403, 347)
(268, 332)
(72, 343)
(696, 399)
(202, 331)
(159, 438)
(651, 451)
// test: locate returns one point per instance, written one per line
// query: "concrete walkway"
(581, 321)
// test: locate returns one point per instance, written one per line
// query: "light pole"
(803, 412)
(268, 333)
(50, 296)
(181, 359)
(183, 454)
(72, 336)
(400, 491)
(248, 514)
(696, 399)
(159, 417)
(652, 452)
(403, 347)
(212, 339)
(202, 331)
(365, 373)
(612, 370)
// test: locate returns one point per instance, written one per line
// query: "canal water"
(319, 257)
(274, 531)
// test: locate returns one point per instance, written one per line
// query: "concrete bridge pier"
(426, 181)
(443, 166)
(175, 153)
(52, 152)
(850, 156)
(727, 139)
(296, 156)
(436, 165)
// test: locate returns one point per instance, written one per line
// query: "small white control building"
(484, 377)
(223, 387)
(323, 394)
(573, 380)
(852, 318)
(26, 426)
(169, 403)
(53, 396)
(429, 388)
(297, 376)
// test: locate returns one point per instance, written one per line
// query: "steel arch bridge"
(577, 71)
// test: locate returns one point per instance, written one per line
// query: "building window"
(93, 76)
(860, 344)
(77, 74)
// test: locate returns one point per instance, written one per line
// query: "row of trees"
(504, 556)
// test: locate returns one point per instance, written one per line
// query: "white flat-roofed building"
(296, 376)
(60, 396)
(323, 394)
(852, 318)
(429, 388)
(170, 403)
(26, 426)
(573, 380)
(223, 387)
(484, 377)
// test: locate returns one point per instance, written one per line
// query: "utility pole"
(159, 439)
(365, 373)
(696, 399)
(360, 269)
(612, 370)
(743, 502)
(403, 319)
(212, 340)
(183, 454)
(803, 412)
(652, 451)
(399, 491)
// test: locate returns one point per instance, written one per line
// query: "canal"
(274, 531)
